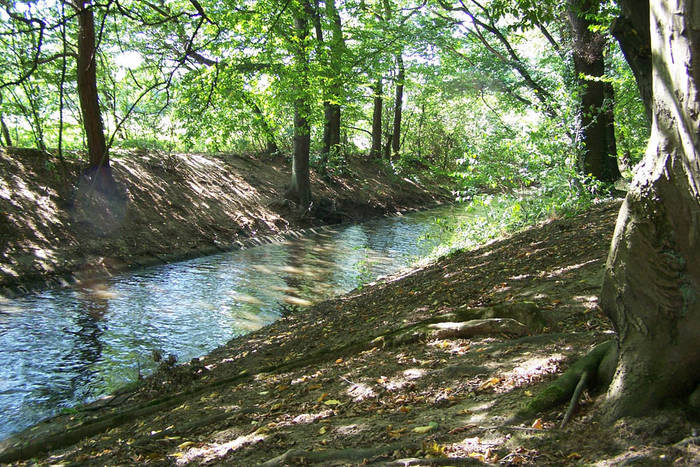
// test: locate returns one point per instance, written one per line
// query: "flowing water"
(64, 346)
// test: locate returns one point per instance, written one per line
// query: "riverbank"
(414, 369)
(54, 228)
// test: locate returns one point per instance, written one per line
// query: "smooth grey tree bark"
(651, 288)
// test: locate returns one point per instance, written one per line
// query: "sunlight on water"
(60, 347)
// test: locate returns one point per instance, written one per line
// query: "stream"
(65, 346)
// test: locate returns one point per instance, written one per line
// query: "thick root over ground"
(598, 365)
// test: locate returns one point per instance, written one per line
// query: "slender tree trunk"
(631, 30)
(387, 147)
(337, 53)
(61, 86)
(331, 55)
(301, 184)
(4, 129)
(421, 121)
(651, 288)
(300, 189)
(597, 121)
(33, 118)
(98, 159)
(269, 134)
(322, 53)
(398, 105)
(331, 132)
(376, 151)
(5, 133)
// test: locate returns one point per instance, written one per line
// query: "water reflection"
(65, 346)
(87, 342)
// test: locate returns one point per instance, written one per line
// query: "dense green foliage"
(489, 95)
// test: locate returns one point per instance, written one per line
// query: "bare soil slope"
(54, 226)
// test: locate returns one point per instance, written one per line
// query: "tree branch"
(200, 10)
(542, 94)
(131, 109)
(56, 56)
(37, 50)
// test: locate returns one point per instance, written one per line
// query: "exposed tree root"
(476, 327)
(513, 319)
(575, 398)
(597, 363)
(686, 441)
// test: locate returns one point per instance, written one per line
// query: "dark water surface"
(64, 346)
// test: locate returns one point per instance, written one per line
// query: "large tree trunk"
(597, 121)
(631, 30)
(398, 106)
(300, 189)
(651, 289)
(376, 151)
(98, 159)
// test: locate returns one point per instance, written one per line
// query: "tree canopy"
(479, 90)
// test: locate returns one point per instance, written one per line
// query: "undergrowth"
(489, 216)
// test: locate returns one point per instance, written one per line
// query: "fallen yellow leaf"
(490, 383)
(537, 424)
(425, 429)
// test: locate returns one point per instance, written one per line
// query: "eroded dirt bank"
(406, 371)
(175, 206)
